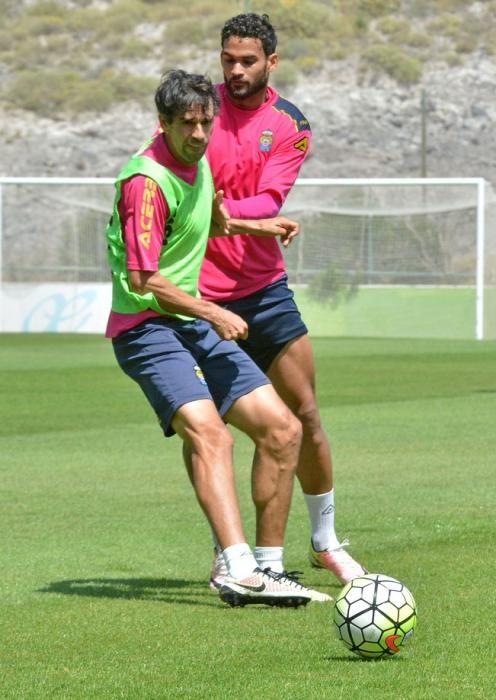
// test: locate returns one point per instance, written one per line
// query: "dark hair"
(178, 91)
(253, 26)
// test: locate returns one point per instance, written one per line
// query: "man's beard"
(245, 92)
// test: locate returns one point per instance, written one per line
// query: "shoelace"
(290, 577)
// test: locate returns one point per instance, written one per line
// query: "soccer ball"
(375, 615)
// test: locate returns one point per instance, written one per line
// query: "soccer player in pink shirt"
(258, 145)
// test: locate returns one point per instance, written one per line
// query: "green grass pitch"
(105, 554)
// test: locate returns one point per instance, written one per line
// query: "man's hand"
(228, 325)
(220, 216)
(223, 225)
(281, 226)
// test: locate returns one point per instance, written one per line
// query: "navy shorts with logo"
(176, 362)
(273, 320)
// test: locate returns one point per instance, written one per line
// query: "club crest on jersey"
(265, 141)
(199, 374)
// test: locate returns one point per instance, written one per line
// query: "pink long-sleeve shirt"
(255, 156)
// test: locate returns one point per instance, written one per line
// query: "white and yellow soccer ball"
(375, 615)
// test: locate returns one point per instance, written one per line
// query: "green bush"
(286, 75)
(377, 8)
(27, 26)
(332, 287)
(82, 22)
(29, 53)
(360, 24)
(489, 43)
(397, 64)
(466, 44)
(6, 41)
(122, 17)
(10, 8)
(296, 48)
(302, 21)
(54, 93)
(419, 40)
(47, 7)
(451, 5)
(448, 25)
(132, 48)
(51, 36)
(394, 26)
(59, 46)
(452, 59)
(184, 31)
(400, 32)
(302, 49)
(42, 92)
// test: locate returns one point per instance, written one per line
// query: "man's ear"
(273, 60)
(163, 123)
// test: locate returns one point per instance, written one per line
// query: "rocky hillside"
(367, 121)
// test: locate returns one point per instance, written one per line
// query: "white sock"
(321, 511)
(239, 560)
(270, 557)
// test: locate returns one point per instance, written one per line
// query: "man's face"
(188, 134)
(246, 68)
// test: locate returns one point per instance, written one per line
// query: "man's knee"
(309, 416)
(284, 436)
(210, 436)
(202, 430)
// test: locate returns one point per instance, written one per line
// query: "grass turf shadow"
(161, 590)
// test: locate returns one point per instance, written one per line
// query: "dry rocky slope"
(371, 129)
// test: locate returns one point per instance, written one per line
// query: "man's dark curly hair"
(251, 26)
(179, 91)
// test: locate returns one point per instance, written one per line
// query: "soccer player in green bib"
(179, 348)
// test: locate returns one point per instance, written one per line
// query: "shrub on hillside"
(53, 93)
(394, 62)
(377, 8)
(286, 75)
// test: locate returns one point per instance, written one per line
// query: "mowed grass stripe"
(106, 555)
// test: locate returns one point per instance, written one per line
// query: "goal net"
(383, 258)
(395, 258)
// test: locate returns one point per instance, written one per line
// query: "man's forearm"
(171, 298)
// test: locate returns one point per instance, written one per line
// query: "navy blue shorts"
(273, 320)
(176, 362)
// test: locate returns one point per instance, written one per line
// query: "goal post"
(409, 257)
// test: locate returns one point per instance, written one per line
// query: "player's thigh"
(199, 423)
(166, 371)
(274, 320)
(229, 373)
(262, 413)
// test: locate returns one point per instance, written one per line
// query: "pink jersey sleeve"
(143, 211)
(255, 155)
(261, 206)
(276, 179)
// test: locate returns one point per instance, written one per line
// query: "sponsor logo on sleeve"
(302, 144)
(147, 212)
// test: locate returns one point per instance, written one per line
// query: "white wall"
(57, 308)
